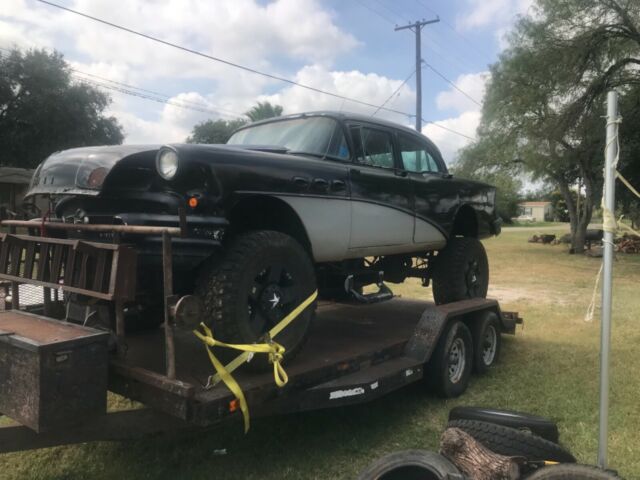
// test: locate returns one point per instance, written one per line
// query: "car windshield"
(319, 136)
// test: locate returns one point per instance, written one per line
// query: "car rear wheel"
(261, 278)
(461, 271)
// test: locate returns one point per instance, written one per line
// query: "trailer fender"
(426, 335)
(434, 319)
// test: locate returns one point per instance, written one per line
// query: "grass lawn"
(550, 368)
(516, 223)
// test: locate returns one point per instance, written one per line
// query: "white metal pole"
(607, 272)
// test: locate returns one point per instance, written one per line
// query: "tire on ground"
(411, 465)
(461, 271)
(262, 276)
(572, 472)
(512, 442)
(487, 341)
(449, 368)
(540, 426)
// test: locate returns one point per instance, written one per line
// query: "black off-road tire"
(411, 465)
(572, 472)
(446, 378)
(461, 271)
(487, 341)
(233, 299)
(513, 443)
(540, 426)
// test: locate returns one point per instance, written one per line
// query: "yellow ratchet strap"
(271, 348)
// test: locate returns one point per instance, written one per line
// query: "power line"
(377, 12)
(397, 90)
(392, 12)
(217, 59)
(427, 122)
(159, 94)
(144, 96)
(452, 84)
(143, 93)
(453, 29)
(235, 65)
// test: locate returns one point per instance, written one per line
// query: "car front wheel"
(262, 276)
(461, 271)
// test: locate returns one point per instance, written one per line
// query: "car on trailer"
(325, 200)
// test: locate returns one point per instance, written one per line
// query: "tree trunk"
(474, 460)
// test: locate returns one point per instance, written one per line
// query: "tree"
(543, 106)
(470, 165)
(263, 110)
(214, 131)
(42, 110)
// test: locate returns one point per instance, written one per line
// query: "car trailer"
(54, 375)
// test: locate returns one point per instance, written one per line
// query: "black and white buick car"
(325, 200)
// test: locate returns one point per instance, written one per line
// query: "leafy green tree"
(214, 131)
(544, 102)
(263, 110)
(471, 165)
(42, 110)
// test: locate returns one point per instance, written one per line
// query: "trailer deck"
(354, 353)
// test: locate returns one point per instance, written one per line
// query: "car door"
(435, 195)
(381, 198)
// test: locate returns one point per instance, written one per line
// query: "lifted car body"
(347, 203)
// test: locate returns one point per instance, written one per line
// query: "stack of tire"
(532, 438)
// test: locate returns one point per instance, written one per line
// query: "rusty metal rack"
(354, 354)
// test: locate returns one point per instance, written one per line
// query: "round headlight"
(167, 163)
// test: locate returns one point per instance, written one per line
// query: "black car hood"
(67, 172)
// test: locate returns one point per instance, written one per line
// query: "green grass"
(550, 367)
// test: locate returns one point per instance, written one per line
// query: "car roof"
(345, 116)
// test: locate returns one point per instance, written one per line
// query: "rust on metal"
(167, 270)
(90, 227)
(54, 374)
(98, 270)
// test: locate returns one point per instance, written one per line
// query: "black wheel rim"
(272, 295)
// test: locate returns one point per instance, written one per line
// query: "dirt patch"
(523, 294)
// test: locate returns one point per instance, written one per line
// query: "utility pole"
(416, 28)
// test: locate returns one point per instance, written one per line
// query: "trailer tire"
(449, 368)
(239, 289)
(461, 271)
(487, 341)
(540, 426)
(512, 442)
(411, 464)
(572, 472)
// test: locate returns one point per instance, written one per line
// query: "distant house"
(14, 183)
(534, 211)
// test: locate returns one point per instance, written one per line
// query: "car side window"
(373, 147)
(416, 156)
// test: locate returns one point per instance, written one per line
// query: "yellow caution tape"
(271, 348)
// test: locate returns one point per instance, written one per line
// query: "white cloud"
(371, 87)
(473, 84)
(448, 142)
(467, 120)
(485, 13)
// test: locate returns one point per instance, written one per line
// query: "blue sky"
(348, 47)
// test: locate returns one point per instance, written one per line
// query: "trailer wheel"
(449, 368)
(411, 465)
(261, 278)
(487, 341)
(513, 443)
(572, 472)
(541, 426)
(461, 271)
